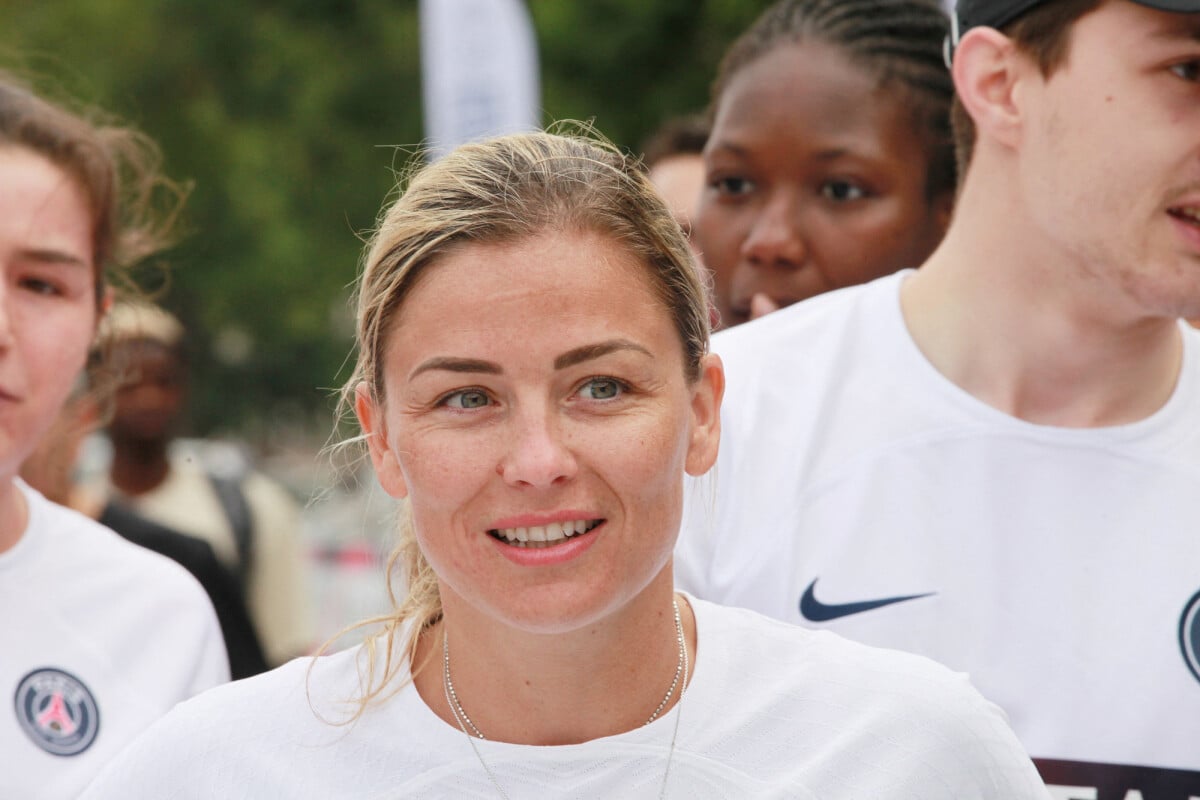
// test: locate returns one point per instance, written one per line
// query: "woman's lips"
(547, 535)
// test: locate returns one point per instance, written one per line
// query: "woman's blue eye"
(842, 191)
(601, 389)
(468, 398)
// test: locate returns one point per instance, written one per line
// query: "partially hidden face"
(47, 297)
(816, 179)
(150, 399)
(680, 181)
(1111, 162)
(537, 416)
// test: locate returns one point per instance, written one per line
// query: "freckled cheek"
(442, 501)
(443, 472)
(651, 462)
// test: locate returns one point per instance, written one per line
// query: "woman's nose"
(775, 239)
(538, 455)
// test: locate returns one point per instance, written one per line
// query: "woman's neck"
(554, 689)
(14, 515)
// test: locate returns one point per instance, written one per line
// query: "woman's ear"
(372, 419)
(706, 416)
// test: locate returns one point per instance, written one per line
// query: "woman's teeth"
(544, 535)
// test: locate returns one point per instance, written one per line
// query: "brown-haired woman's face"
(539, 420)
(47, 297)
(816, 179)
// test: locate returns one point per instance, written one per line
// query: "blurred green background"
(288, 118)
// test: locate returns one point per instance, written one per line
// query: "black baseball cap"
(969, 14)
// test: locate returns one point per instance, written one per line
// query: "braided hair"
(899, 42)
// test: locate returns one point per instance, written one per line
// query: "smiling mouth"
(543, 535)
(1188, 214)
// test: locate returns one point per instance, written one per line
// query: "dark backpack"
(237, 512)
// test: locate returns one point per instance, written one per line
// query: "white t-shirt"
(98, 638)
(772, 711)
(1059, 567)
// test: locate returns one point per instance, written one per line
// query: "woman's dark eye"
(733, 186)
(842, 191)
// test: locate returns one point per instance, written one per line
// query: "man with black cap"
(995, 460)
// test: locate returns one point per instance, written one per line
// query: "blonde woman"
(533, 380)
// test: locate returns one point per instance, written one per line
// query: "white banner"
(479, 68)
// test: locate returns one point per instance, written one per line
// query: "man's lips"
(1186, 213)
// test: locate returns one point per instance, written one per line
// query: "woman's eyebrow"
(48, 256)
(451, 364)
(591, 351)
(567, 359)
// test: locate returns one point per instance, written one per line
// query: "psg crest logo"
(57, 711)
(1189, 634)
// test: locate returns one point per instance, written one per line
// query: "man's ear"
(988, 71)
(706, 416)
(373, 421)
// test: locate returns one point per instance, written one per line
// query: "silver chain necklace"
(472, 733)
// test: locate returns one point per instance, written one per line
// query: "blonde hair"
(492, 192)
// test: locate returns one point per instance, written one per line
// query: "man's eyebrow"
(591, 351)
(1190, 29)
(450, 364)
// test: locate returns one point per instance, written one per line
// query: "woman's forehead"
(542, 290)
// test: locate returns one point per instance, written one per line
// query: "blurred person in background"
(99, 636)
(830, 161)
(51, 470)
(673, 156)
(250, 521)
(540, 442)
(674, 159)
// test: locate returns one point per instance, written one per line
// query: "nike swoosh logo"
(814, 610)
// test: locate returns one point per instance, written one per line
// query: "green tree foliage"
(289, 117)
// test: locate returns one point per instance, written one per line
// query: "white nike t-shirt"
(859, 490)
